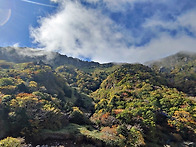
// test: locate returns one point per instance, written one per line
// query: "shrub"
(11, 142)
(6, 82)
(78, 117)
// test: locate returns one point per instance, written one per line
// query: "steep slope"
(86, 81)
(83, 75)
(131, 76)
(131, 104)
(136, 102)
(179, 70)
(33, 97)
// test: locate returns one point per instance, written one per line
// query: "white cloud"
(55, 1)
(164, 46)
(156, 21)
(77, 31)
(185, 20)
(158, 48)
(84, 32)
(93, 1)
(188, 20)
(119, 5)
(16, 45)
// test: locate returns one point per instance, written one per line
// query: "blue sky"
(101, 30)
(23, 15)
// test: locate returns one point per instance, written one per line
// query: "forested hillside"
(136, 100)
(51, 99)
(179, 70)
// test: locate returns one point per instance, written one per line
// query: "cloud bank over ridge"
(119, 31)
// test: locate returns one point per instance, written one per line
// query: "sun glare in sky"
(5, 12)
(5, 15)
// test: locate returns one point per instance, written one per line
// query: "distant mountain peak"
(179, 58)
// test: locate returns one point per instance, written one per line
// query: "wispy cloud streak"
(36, 3)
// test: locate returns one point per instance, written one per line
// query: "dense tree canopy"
(107, 105)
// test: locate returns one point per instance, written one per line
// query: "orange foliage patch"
(124, 94)
(182, 116)
(30, 120)
(20, 95)
(105, 116)
(183, 106)
(117, 111)
(112, 130)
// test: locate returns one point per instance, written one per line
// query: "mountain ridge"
(25, 54)
(178, 58)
